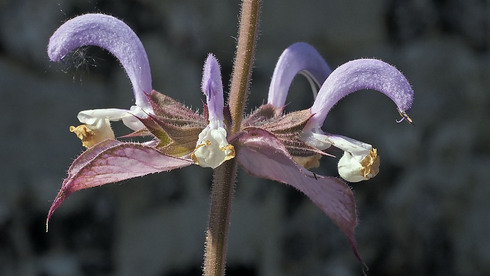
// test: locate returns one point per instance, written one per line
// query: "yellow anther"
(85, 134)
(370, 164)
(231, 153)
(193, 156)
(91, 136)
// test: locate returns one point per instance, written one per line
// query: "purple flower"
(360, 160)
(270, 144)
(180, 137)
(115, 36)
(282, 147)
(212, 147)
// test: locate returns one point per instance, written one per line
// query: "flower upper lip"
(119, 39)
(358, 75)
(212, 87)
(299, 58)
(113, 35)
(352, 76)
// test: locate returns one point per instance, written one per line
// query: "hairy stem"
(225, 175)
(219, 217)
(242, 68)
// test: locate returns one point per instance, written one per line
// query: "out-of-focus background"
(426, 213)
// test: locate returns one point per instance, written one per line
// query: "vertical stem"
(219, 218)
(225, 175)
(242, 67)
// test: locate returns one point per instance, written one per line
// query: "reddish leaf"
(112, 161)
(261, 154)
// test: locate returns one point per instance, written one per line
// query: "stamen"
(93, 134)
(83, 133)
(405, 117)
(370, 164)
(90, 137)
(231, 151)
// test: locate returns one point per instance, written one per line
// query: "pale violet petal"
(358, 75)
(212, 87)
(297, 58)
(113, 35)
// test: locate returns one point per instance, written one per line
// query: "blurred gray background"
(426, 213)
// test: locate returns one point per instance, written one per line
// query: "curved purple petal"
(112, 161)
(261, 154)
(113, 35)
(212, 87)
(297, 58)
(358, 75)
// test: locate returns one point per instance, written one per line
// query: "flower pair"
(270, 144)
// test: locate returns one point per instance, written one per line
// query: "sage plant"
(269, 143)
